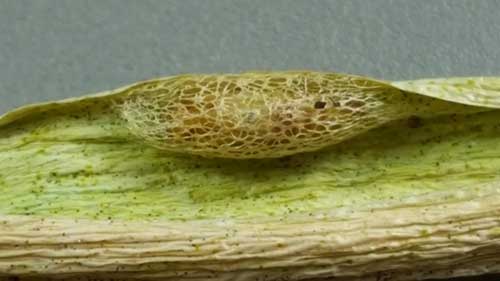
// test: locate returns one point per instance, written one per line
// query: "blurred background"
(56, 49)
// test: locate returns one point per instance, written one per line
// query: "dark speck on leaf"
(319, 104)
(414, 122)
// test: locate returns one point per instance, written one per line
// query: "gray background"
(51, 49)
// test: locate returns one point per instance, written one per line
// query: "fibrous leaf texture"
(255, 176)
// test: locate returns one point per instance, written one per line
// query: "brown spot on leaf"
(414, 122)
